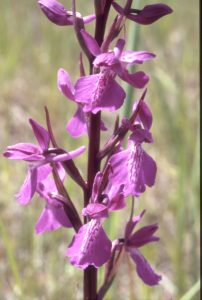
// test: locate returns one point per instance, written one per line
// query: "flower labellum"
(90, 246)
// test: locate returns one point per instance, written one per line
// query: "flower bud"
(56, 12)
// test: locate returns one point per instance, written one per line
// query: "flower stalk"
(115, 171)
(90, 273)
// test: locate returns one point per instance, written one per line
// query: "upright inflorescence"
(114, 171)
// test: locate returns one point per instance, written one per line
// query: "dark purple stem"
(101, 19)
(90, 273)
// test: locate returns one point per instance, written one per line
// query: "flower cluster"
(115, 171)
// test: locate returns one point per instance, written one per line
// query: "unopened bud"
(56, 12)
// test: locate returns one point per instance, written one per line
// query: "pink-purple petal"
(131, 224)
(56, 12)
(133, 167)
(119, 47)
(64, 84)
(68, 155)
(46, 184)
(43, 172)
(107, 59)
(41, 134)
(150, 13)
(143, 236)
(116, 198)
(148, 169)
(21, 151)
(28, 187)
(144, 270)
(52, 218)
(91, 43)
(99, 92)
(35, 158)
(117, 203)
(85, 87)
(95, 211)
(90, 246)
(139, 136)
(96, 185)
(135, 57)
(46, 222)
(118, 162)
(145, 115)
(138, 79)
(112, 98)
(77, 124)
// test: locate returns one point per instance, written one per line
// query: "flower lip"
(90, 246)
(41, 134)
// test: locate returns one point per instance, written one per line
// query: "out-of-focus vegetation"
(31, 51)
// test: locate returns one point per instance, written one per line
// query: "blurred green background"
(31, 51)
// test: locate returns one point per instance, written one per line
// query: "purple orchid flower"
(77, 125)
(53, 215)
(117, 60)
(104, 201)
(90, 246)
(144, 116)
(92, 93)
(133, 167)
(133, 241)
(148, 15)
(39, 157)
(57, 14)
(100, 91)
